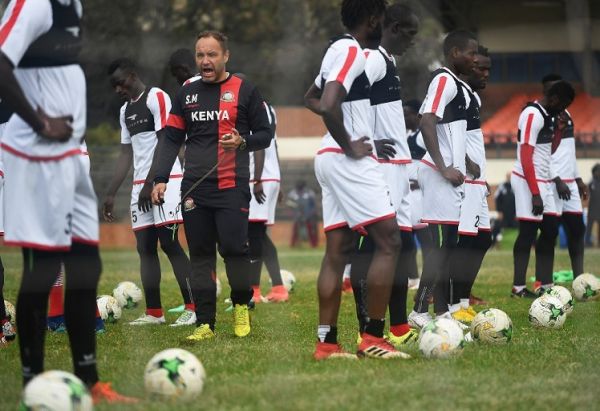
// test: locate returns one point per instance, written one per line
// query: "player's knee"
(390, 242)
(145, 248)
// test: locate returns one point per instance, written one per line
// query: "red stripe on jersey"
(226, 169)
(10, 23)
(352, 52)
(176, 121)
(528, 128)
(438, 94)
(163, 112)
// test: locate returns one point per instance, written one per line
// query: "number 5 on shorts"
(133, 217)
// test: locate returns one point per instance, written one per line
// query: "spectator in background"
(505, 205)
(303, 201)
(594, 205)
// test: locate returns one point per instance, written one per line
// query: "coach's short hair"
(217, 35)
(398, 12)
(124, 63)
(354, 12)
(458, 39)
(563, 90)
(551, 77)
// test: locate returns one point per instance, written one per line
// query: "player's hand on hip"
(145, 198)
(56, 128)
(259, 192)
(564, 192)
(537, 205)
(454, 176)
(231, 141)
(107, 209)
(359, 148)
(158, 193)
(385, 148)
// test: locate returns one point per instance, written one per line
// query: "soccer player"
(400, 25)
(264, 183)
(50, 202)
(564, 167)
(223, 118)
(444, 128)
(355, 195)
(532, 184)
(474, 229)
(143, 120)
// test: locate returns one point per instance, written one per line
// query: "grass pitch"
(273, 367)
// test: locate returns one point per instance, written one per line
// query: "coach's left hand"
(145, 198)
(231, 141)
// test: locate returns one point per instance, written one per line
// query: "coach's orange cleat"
(328, 351)
(278, 294)
(102, 391)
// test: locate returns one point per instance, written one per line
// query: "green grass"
(273, 368)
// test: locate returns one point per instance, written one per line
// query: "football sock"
(154, 312)
(2, 308)
(169, 243)
(400, 329)
(39, 273)
(375, 327)
(544, 249)
(397, 307)
(256, 237)
(271, 260)
(147, 243)
(575, 230)
(55, 302)
(522, 250)
(360, 262)
(327, 334)
(480, 246)
(460, 267)
(441, 256)
(82, 271)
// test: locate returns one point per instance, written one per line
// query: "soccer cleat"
(3, 342)
(418, 320)
(347, 286)
(471, 311)
(56, 324)
(278, 294)
(186, 318)
(524, 293)
(177, 310)
(403, 340)
(327, 351)
(146, 319)
(100, 329)
(8, 330)
(451, 317)
(536, 286)
(241, 320)
(203, 332)
(476, 300)
(468, 337)
(374, 347)
(413, 283)
(103, 392)
(463, 315)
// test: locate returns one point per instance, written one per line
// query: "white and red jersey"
(196, 77)
(344, 62)
(447, 97)
(41, 40)
(140, 120)
(564, 159)
(534, 146)
(386, 103)
(475, 143)
(271, 170)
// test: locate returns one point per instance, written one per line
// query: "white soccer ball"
(563, 295)
(174, 373)
(219, 287)
(492, 326)
(441, 338)
(127, 294)
(547, 311)
(586, 287)
(11, 313)
(56, 391)
(289, 279)
(109, 308)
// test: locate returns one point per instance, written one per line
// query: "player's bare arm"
(259, 165)
(563, 190)
(58, 129)
(331, 109)
(428, 129)
(124, 163)
(472, 168)
(312, 99)
(145, 197)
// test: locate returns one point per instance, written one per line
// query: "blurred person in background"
(593, 214)
(303, 201)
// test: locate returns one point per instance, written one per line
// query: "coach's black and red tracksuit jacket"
(201, 114)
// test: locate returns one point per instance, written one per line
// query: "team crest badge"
(188, 204)
(228, 97)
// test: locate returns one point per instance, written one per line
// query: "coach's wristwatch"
(242, 145)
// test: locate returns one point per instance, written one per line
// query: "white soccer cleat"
(413, 283)
(418, 320)
(186, 318)
(146, 319)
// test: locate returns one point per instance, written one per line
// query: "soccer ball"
(109, 308)
(11, 313)
(547, 311)
(219, 287)
(174, 373)
(441, 338)
(563, 295)
(56, 391)
(127, 294)
(289, 280)
(586, 287)
(492, 326)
